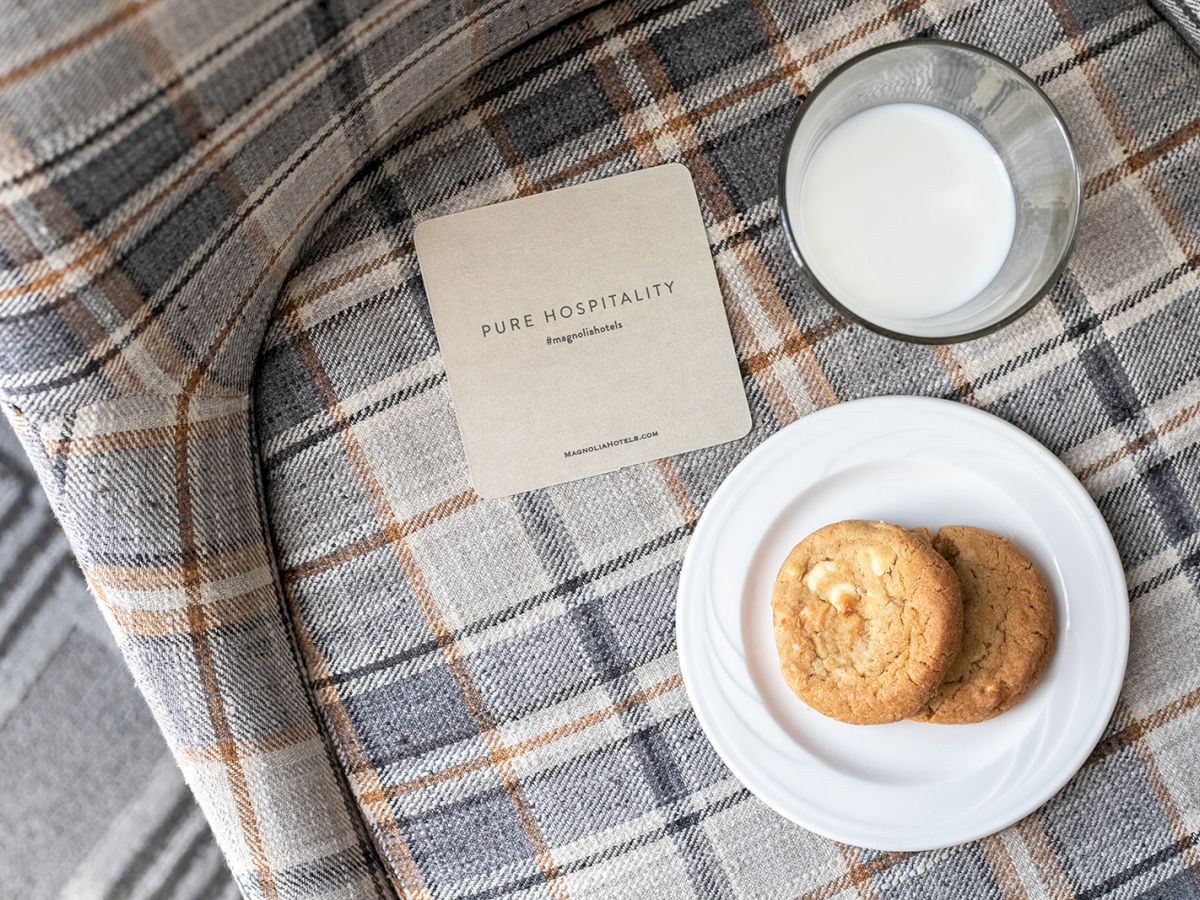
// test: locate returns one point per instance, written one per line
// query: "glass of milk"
(931, 191)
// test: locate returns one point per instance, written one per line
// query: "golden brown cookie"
(1008, 627)
(867, 619)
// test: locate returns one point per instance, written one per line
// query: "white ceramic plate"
(908, 785)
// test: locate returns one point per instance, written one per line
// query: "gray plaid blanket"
(215, 347)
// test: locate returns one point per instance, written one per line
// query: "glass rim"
(828, 295)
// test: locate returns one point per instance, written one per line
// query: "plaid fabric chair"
(215, 347)
(92, 804)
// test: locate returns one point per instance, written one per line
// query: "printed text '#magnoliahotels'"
(555, 314)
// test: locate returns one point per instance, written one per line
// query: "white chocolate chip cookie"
(868, 617)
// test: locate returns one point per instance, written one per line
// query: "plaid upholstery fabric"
(370, 676)
(160, 166)
(501, 675)
(75, 735)
(1185, 16)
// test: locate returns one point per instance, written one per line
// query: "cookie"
(1008, 627)
(868, 618)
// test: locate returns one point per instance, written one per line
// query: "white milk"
(905, 210)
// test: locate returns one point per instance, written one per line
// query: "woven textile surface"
(160, 166)
(1185, 16)
(376, 682)
(501, 675)
(75, 734)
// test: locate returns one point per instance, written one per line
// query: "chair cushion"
(500, 677)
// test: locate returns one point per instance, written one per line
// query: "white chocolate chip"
(842, 596)
(817, 574)
(878, 564)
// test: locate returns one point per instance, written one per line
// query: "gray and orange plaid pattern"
(216, 347)
(76, 735)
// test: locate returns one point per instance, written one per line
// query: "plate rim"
(1085, 503)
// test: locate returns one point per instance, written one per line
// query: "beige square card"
(582, 330)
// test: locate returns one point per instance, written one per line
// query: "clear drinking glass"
(1012, 113)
